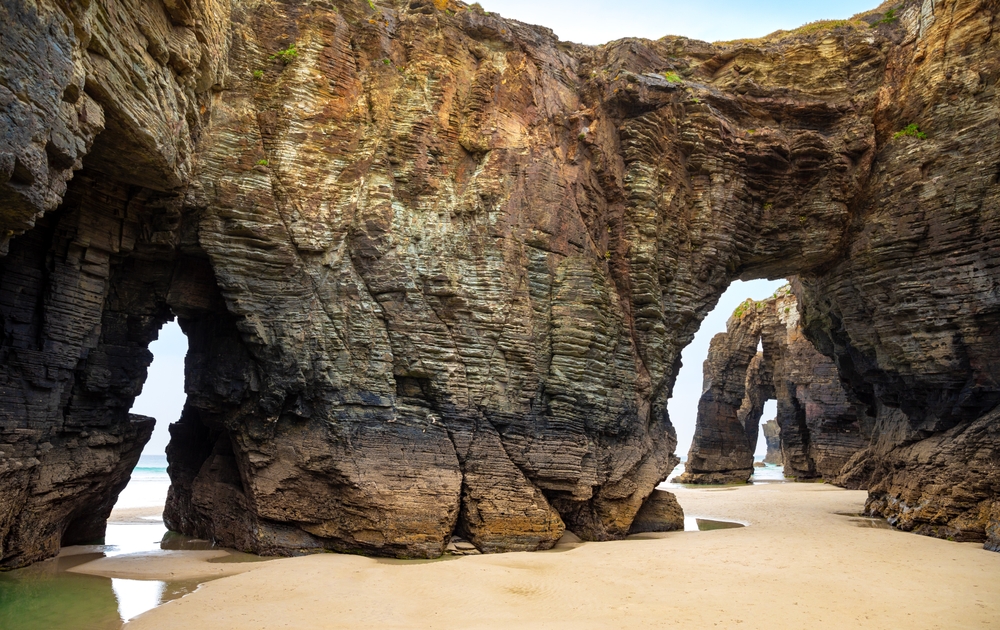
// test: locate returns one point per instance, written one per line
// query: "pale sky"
(600, 21)
(162, 395)
(587, 22)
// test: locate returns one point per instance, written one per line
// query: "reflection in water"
(695, 524)
(129, 538)
(769, 473)
(45, 596)
(137, 596)
(708, 524)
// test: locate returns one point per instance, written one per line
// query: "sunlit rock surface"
(436, 268)
(818, 427)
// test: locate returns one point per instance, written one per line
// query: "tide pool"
(45, 596)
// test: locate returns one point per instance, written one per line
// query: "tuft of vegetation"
(581, 137)
(743, 308)
(262, 162)
(372, 5)
(910, 130)
(751, 131)
(287, 56)
(386, 61)
(889, 17)
(258, 74)
(478, 8)
(767, 206)
(672, 77)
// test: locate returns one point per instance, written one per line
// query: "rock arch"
(459, 260)
(820, 428)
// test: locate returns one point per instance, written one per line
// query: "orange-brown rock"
(659, 513)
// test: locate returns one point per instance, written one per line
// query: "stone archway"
(820, 428)
(81, 296)
(459, 260)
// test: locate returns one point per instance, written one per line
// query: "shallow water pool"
(45, 595)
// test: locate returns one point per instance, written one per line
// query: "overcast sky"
(588, 22)
(163, 393)
(600, 21)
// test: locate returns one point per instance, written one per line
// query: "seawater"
(769, 473)
(45, 596)
(148, 485)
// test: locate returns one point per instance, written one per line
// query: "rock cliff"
(818, 426)
(436, 267)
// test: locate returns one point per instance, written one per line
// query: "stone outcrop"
(909, 311)
(943, 485)
(436, 268)
(84, 290)
(772, 435)
(820, 427)
(724, 439)
(659, 513)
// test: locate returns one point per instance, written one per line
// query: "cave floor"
(801, 562)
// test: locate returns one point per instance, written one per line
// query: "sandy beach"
(799, 564)
(137, 515)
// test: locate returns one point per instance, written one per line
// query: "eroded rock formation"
(659, 513)
(436, 268)
(772, 435)
(820, 428)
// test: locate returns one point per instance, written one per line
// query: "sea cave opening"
(691, 381)
(162, 398)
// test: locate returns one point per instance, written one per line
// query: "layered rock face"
(910, 311)
(84, 290)
(436, 268)
(772, 435)
(818, 426)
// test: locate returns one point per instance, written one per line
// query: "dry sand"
(798, 565)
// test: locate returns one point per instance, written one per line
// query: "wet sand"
(797, 565)
(137, 515)
(169, 565)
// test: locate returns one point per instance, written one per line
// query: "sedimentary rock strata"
(909, 312)
(772, 435)
(659, 513)
(818, 426)
(436, 268)
(724, 440)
